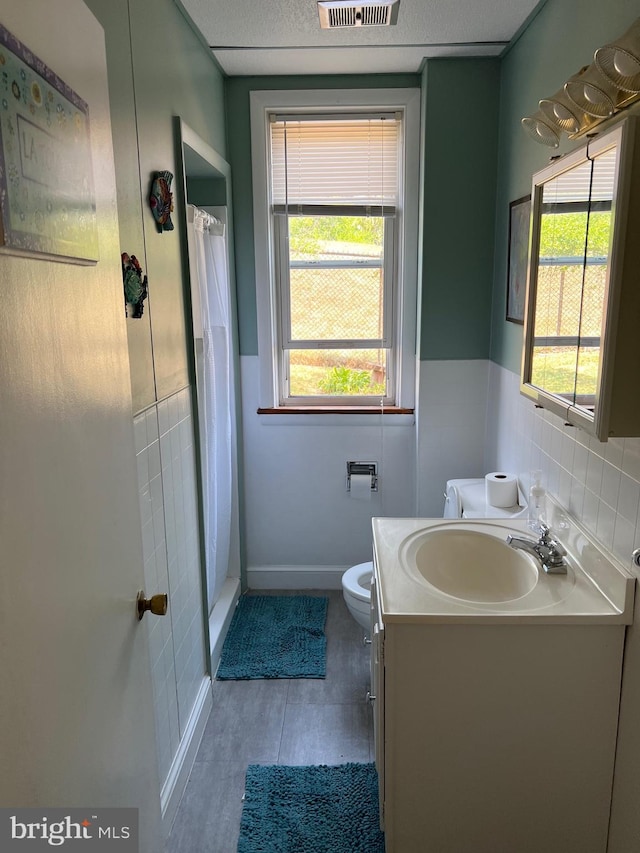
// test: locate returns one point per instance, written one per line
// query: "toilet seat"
(357, 581)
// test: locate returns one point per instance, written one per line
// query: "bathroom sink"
(470, 565)
(446, 571)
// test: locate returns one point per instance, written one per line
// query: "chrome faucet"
(547, 551)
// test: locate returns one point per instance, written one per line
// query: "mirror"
(579, 282)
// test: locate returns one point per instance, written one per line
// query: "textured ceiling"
(284, 36)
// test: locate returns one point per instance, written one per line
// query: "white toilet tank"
(467, 499)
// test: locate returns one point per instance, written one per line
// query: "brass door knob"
(157, 604)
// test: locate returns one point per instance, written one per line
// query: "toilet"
(356, 589)
(463, 499)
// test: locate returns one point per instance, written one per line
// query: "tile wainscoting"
(599, 483)
(298, 513)
(451, 417)
(168, 506)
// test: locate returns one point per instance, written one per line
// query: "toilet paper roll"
(360, 487)
(501, 489)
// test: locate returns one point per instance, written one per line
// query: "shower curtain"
(216, 402)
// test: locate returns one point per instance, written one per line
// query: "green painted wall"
(471, 110)
(207, 191)
(237, 91)
(557, 43)
(169, 73)
(460, 119)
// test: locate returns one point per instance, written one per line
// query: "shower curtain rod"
(206, 219)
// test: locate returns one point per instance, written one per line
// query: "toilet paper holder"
(370, 468)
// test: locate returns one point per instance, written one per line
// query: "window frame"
(287, 342)
(272, 355)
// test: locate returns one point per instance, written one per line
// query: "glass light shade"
(540, 130)
(559, 111)
(619, 61)
(592, 93)
(625, 64)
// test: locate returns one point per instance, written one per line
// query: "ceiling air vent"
(354, 13)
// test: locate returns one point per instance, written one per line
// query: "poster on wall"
(47, 197)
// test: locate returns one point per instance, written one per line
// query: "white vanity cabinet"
(494, 735)
(377, 687)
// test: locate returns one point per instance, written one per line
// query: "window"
(334, 239)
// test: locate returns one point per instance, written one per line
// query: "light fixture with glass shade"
(597, 92)
(539, 128)
(561, 112)
(592, 93)
(619, 61)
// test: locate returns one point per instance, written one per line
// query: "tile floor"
(280, 721)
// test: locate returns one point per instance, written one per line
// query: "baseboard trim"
(295, 577)
(182, 763)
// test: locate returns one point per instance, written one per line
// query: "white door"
(76, 718)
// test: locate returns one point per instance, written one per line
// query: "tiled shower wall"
(599, 483)
(168, 505)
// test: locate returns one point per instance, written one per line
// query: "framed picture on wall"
(47, 197)
(519, 216)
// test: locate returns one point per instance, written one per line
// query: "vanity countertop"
(596, 589)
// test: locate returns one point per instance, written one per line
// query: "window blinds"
(335, 165)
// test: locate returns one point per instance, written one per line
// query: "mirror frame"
(622, 136)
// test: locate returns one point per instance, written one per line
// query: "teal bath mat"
(276, 636)
(311, 810)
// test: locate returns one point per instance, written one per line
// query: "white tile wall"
(168, 505)
(451, 415)
(599, 483)
(183, 550)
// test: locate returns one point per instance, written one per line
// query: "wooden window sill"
(335, 410)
